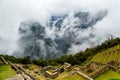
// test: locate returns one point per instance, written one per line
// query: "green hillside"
(109, 75)
(111, 54)
(6, 72)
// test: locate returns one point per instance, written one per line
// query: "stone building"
(67, 66)
(91, 67)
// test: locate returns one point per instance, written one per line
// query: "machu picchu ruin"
(59, 39)
(103, 63)
(97, 66)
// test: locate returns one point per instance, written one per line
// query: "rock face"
(63, 34)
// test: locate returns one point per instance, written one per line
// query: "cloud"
(13, 12)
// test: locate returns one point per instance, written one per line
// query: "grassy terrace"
(108, 55)
(66, 76)
(36, 68)
(72, 77)
(6, 72)
(109, 75)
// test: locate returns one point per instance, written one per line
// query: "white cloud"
(13, 12)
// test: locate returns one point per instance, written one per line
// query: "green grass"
(6, 72)
(115, 79)
(72, 77)
(109, 75)
(58, 66)
(108, 55)
(66, 76)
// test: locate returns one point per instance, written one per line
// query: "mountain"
(62, 35)
(103, 65)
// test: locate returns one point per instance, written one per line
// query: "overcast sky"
(13, 12)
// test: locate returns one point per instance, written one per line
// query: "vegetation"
(71, 77)
(79, 58)
(66, 76)
(6, 72)
(107, 51)
(108, 55)
(109, 75)
(24, 60)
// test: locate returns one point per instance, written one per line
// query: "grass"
(35, 67)
(115, 79)
(58, 66)
(72, 77)
(108, 55)
(51, 70)
(66, 76)
(109, 75)
(6, 72)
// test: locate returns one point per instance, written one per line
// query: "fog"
(13, 12)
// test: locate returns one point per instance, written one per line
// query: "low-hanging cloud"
(13, 12)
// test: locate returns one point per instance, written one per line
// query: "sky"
(13, 12)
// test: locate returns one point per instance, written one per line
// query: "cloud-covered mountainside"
(63, 34)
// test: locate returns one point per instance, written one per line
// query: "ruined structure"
(67, 66)
(52, 75)
(88, 72)
(3, 60)
(114, 63)
(51, 72)
(91, 67)
(21, 73)
(94, 69)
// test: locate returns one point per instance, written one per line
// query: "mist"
(15, 12)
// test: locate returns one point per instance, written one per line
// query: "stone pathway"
(17, 77)
(84, 76)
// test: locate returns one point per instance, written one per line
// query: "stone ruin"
(91, 67)
(67, 66)
(21, 73)
(51, 72)
(52, 75)
(94, 69)
(114, 63)
(90, 71)
(5, 62)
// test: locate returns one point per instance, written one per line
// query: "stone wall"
(91, 67)
(2, 58)
(51, 75)
(98, 71)
(67, 66)
(115, 63)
